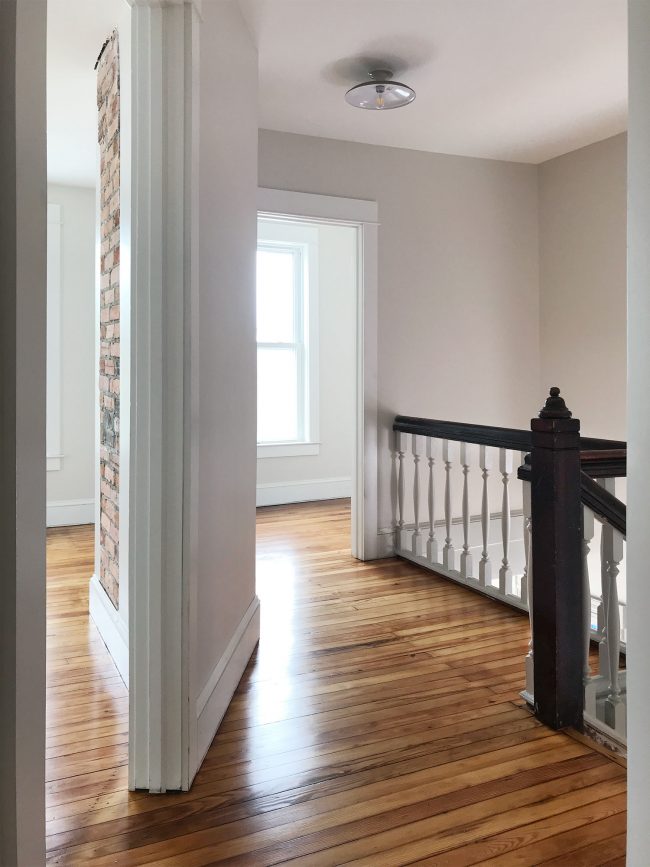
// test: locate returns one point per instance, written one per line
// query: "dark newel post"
(556, 514)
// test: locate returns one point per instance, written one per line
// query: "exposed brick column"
(108, 105)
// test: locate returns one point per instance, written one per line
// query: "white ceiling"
(521, 80)
(76, 30)
(506, 79)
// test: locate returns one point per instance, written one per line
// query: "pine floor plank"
(379, 723)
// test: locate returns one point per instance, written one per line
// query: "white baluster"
(505, 572)
(485, 565)
(603, 644)
(416, 450)
(525, 580)
(615, 707)
(606, 543)
(400, 448)
(587, 536)
(449, 451)
(466, 560)
(432, 542)
(527, 583)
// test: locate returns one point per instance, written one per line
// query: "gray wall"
(582, 220)
(227, 375)
(458, 328)
(22, 431)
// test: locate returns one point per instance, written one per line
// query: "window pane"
(277, 395)
(275, 296)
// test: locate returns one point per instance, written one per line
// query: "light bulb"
(379, 99)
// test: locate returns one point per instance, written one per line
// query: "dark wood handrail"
(602, 503)
(595, 444)
(485, 435)
(604, 464)
(507, 438)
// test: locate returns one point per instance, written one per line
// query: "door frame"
(363, 215)
(163, 455)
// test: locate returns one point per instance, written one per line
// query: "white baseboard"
(215, 696)
(69, 513)
(111, 626)
(276, 494)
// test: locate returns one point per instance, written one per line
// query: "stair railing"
(555, 495)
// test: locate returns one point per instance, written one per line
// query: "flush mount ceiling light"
(380, 93)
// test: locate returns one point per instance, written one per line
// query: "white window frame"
(302, 241)
(54, 301)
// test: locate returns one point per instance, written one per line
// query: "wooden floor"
(379, 724)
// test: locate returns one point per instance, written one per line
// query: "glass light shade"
(380, 94)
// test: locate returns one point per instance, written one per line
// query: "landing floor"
(379, 724)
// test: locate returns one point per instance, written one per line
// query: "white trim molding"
(70, 513)
(287, 203)
(287, 450)
(110, 625)
(364, 215)
(159, 4)
(54, 349)
(215, 696)
(309, 490)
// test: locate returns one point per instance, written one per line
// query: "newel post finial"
(555, 407)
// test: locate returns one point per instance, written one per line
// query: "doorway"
(352, 225)
(88, 354)
(306, 309)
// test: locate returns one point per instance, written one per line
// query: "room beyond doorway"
(361, 216)
(306, 342)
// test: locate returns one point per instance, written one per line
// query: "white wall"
(22, 431)
(582, 207)
(638, 586)
(227, 623)
(329, 473)
(458, 329)
(71, 489)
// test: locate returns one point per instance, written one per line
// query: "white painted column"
(164, 273)
(638, 490)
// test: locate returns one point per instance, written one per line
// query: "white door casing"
(162, 475)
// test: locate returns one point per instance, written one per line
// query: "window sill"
(287, 450)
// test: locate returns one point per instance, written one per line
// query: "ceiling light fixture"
(380, 93)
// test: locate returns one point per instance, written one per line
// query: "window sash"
(298, 345)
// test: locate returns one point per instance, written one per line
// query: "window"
(286, 351)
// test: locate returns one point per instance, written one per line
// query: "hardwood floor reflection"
(379, 723)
